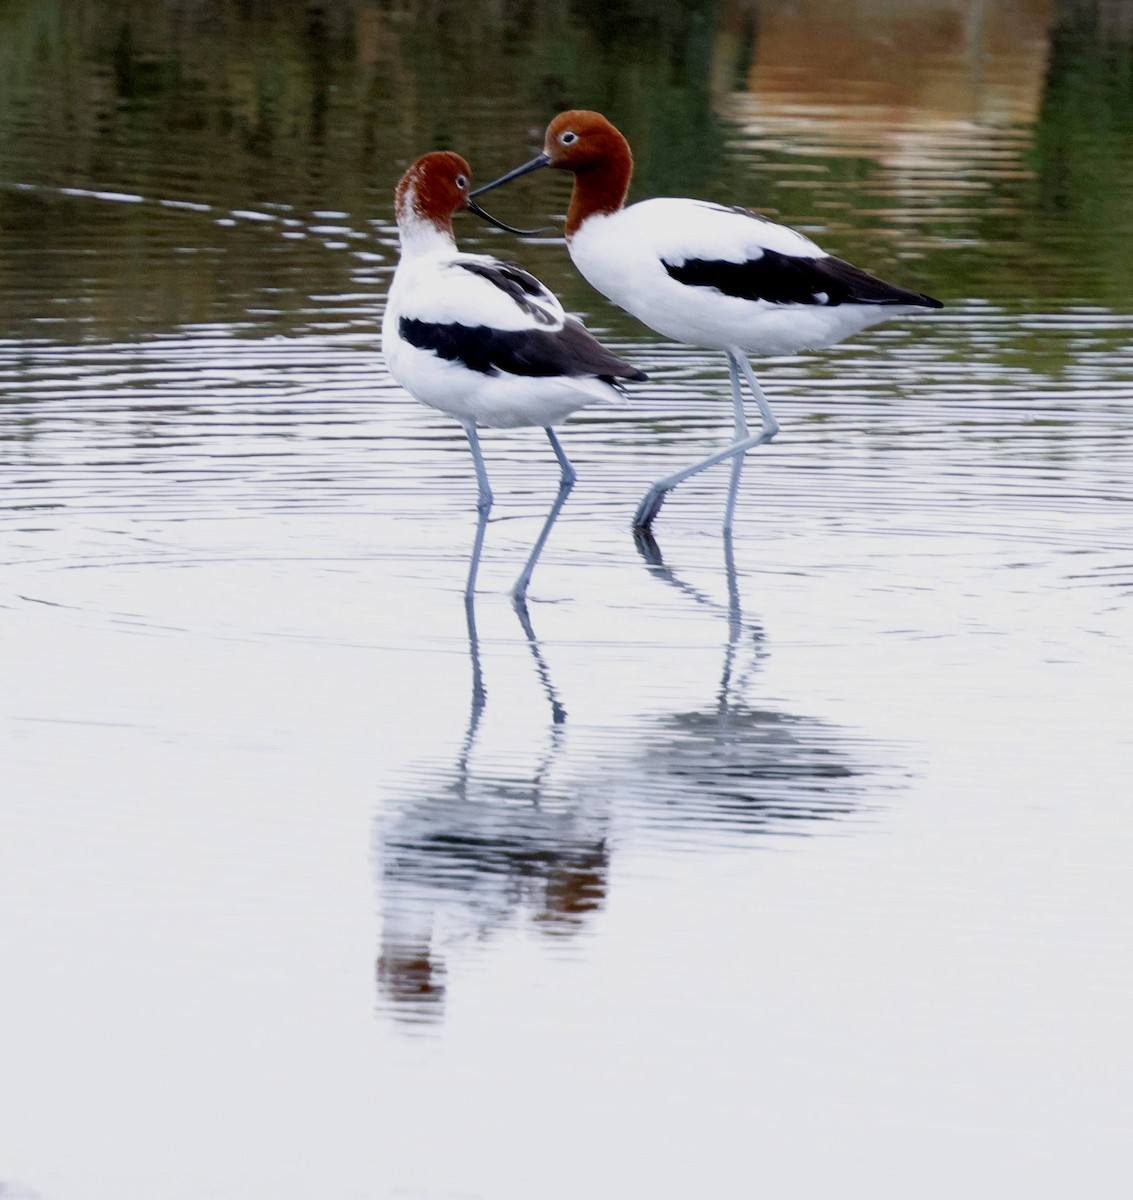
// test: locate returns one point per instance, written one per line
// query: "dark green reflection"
(1083, 148)
(305, 113)
(312, 108)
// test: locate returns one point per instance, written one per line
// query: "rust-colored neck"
(599, 189)
(426, 198)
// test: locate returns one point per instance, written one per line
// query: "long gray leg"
(655, 497)
(483, 508)
(741, 435)
(770, 425)
(566, 482)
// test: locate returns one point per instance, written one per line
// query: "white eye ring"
(462, 182)
(568, 138)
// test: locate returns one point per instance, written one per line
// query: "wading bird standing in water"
(481, 339)
(707, 275)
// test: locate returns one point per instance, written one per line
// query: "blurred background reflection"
(820, 839)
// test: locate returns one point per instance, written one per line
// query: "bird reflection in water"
(473, 856)
(734, 768)
(484, 848)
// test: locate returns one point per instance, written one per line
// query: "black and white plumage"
(705, 274)
(729, 279)
(484, 340)
(528, 293)
(779, 278)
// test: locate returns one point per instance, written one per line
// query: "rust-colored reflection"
(410, 978)
(479, 853)
(483, 850)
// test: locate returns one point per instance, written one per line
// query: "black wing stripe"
(516, 284)
(540, 353)
(787, 279)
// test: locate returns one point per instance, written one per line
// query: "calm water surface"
(792, 866)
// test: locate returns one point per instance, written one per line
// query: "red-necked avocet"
(481, 339)
(705, 274)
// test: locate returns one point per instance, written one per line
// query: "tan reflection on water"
(939, 97)
(904, 78)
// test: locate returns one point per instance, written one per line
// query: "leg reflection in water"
(515, 828)
(732, 685)
(742, 766)
(479, 849)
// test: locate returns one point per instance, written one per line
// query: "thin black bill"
(473, 207)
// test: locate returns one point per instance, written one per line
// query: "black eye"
(462, 182)
(568, 138)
